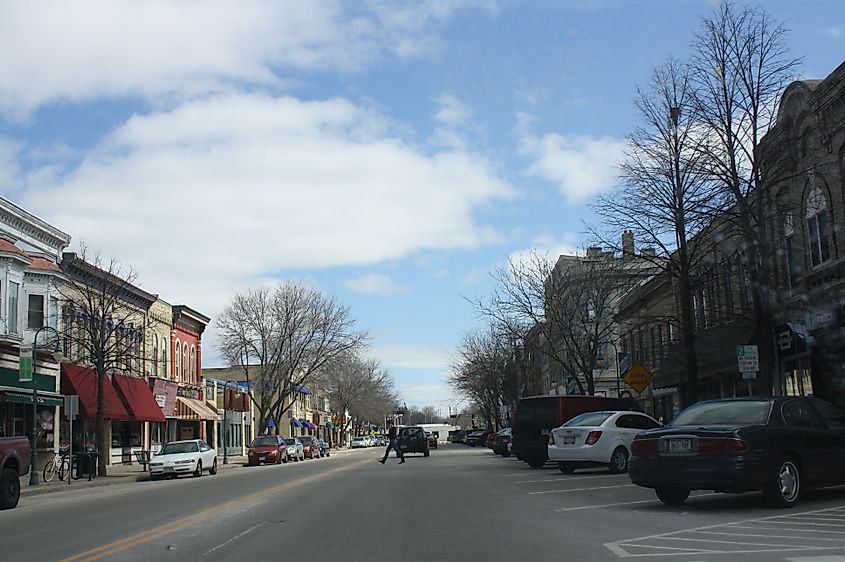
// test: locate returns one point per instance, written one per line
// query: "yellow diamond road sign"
(638, 378)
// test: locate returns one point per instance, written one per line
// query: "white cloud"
(57, 51)
(223, 193)
(399, 356)
(452, 111)
(581, 165)
(548, 246)
(376, 284)
(422, 395)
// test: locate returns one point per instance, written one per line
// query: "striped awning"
(189, 409)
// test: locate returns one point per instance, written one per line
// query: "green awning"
(27, 399)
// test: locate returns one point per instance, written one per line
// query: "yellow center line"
(130, 541)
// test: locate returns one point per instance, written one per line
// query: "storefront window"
(125, 434)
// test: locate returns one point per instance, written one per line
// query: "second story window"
(12, 307)
(818, 226)
(35, 312)
(155, 351)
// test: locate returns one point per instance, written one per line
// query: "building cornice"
(27, 223)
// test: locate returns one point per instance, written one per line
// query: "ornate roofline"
(27, 223)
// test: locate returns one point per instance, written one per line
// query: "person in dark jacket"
(393, 443)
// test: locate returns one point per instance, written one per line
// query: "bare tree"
(740, 67)
(573, 299)
(103, 327)
(484, 371)
(359, 386)
(287, 334)
(666, 197)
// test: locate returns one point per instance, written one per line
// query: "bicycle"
(59, 465)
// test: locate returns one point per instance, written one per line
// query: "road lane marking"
(602, 505)
(578, 490)
(741, 543)
(236, 537)
(130, 541)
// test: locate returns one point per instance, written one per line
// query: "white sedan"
(597, 438)
(296, 450)
(358, 442)
(184, 457)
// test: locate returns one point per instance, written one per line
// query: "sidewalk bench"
(143, 458)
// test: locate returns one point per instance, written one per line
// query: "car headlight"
(185, 461)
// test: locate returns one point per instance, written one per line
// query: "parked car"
(432, 440)
(15, 454)
(413, 440)
(776, 445)
(602, 438)
(325, 450)
(192, 456)
(458, 435)
(310, 447)
(501, 441)
(267, 448)
(295, 449)
(359, 442)
(535, 417)
(477, 438)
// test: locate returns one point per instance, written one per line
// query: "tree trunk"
(103, 447)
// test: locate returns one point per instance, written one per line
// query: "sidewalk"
(121, 474)
(118, 474)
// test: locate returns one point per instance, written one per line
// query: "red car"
(267, 449)
(310, 446)
(489, 441)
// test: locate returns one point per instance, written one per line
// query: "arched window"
(185, 363)
(164, 358)
(818, 225)
(789, 247)
(177, 360)
(155, 351)
(193, 365)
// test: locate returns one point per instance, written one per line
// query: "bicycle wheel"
(64, 468)
(50, 471)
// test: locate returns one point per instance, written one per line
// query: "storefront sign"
(161, 400)
(188, 392)
(25, 366)
(164, 392)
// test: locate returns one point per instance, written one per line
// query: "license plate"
(568, 439)
(261, 457)
(168, 469)
(680, 446)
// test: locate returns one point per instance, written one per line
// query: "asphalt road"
(459, 504)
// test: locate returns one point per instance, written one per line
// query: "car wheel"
(506, 454)
(153, 477)
(198, 471)
(426, 453)
(213, 470)
(619, 461)
(10, 488)
(672, 496)
(536, 461)
(785, 486)
(566, 467)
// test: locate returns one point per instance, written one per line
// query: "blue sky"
(390, 154)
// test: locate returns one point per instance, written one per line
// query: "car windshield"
(179, 448)
(728, 413)
(590, 419)
(264, 442)
(290, 442)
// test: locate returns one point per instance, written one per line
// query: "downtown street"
(460, 503)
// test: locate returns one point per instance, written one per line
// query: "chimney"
(594, 252)
(627, 244)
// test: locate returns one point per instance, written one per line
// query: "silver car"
(295, 449)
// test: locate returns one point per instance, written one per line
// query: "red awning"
(139, 398)
(83, 382)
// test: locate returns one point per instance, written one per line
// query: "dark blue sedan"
(775, 445)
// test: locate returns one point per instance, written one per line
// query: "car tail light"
(592, 438)
(717, 445)
(644, 447)
(551, 438)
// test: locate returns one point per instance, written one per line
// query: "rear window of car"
(264, 441)
(733, 413)
(589, 419)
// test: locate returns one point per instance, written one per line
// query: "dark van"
(536, 416)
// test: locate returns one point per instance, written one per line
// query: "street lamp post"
(616, 360)
(33, 470)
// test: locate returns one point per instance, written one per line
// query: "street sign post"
(748, 361)
(638, 378)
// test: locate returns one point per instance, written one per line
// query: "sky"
(389, 154)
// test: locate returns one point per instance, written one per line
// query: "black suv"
(413, 440)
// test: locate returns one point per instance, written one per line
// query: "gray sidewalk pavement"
(120, 474)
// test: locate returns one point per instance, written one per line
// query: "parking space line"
(756, 535)
(570, 478)
(578, 490)
(602, 505)
(799, 546)
(786, 529)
